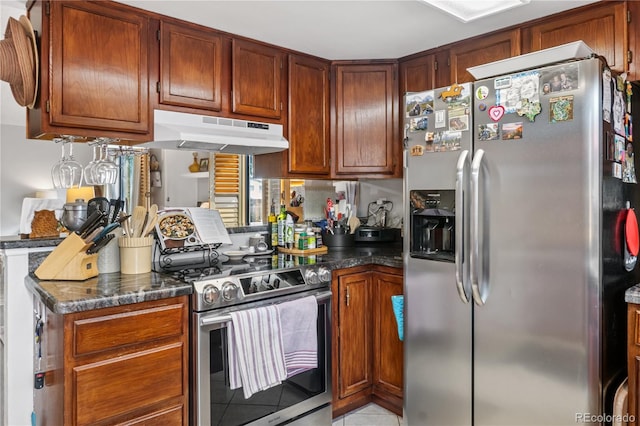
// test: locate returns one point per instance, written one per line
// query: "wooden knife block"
(68, 261)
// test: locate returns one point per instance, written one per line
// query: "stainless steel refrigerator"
(518, 191)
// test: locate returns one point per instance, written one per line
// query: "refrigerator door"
(438, 341)
(537, 324)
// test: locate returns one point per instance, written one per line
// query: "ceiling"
(362, 29)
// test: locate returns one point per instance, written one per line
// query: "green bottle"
(282, 217)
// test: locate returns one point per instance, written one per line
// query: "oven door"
(215, 403)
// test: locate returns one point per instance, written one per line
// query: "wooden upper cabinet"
(256, 79)
(190, 67)
(99, 69)
(417, 74)
(308, 115)
(480, 51)
(366, 104)
(602, 28)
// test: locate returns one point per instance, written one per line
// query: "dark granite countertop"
(105, 290)
(116, 289)
(14, 242)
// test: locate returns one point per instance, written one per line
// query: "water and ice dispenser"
(432, 224)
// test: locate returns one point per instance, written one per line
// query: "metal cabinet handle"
(461, 229)
(348, 296)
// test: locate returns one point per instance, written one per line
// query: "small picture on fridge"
(559, 79)
(628, 165)
(512, 131)
(418, 124)
(619, 150)
(419, 104)
(488, 132)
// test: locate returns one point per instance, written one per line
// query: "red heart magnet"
(496, 112)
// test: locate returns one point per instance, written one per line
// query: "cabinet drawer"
(106, 389)
(107, 332)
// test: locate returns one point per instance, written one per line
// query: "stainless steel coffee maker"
(432, 227)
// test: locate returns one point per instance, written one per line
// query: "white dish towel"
(298, 320)
(255, 352)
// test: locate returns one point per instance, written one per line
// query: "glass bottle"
(282, 217)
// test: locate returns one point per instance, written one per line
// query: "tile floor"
(369, 415)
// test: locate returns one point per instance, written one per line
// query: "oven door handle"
(220, 319)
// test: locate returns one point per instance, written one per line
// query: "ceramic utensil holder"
(135, 254)
(68, 261)
(109, 255)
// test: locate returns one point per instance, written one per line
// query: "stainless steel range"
(304, 398)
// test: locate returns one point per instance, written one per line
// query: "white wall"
(25, 165)
(388, 189)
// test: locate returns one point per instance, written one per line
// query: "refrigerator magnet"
(496, 112)
(482, 93)
(561, 108)
(628, 165)
(488, 132)
(440, 118)
(417, 150)
(529, 109)
(482, 106)
(512, 131)
(617, 170)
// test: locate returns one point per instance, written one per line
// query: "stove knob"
(324, 274)
(229, 291)
(311, 276)
(210, 294)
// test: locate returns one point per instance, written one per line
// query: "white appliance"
(193, 132)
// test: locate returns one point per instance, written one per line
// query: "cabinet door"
(417, 74)
(355, 346)
(633, 358)
(366, 112)
(388, 365)
(480, 51)
(602, 28)
(308, 115)
(190, 67)
(98, 70)
(256, 79)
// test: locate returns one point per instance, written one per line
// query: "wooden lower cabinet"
(125, 365)
(633, 360)
(367, 353)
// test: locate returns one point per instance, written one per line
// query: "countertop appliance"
(518, 189)
(376, 234)
(224, 287)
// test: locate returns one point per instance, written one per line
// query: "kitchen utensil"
(353, 223)
(235, 255)
(153, 220)
(137, 221)
(98, 203)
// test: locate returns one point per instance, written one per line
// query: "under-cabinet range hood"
(193, 132)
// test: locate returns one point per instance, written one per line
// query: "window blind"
(228, 187)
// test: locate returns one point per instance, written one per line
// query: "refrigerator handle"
(461, 213)
(475, 237)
